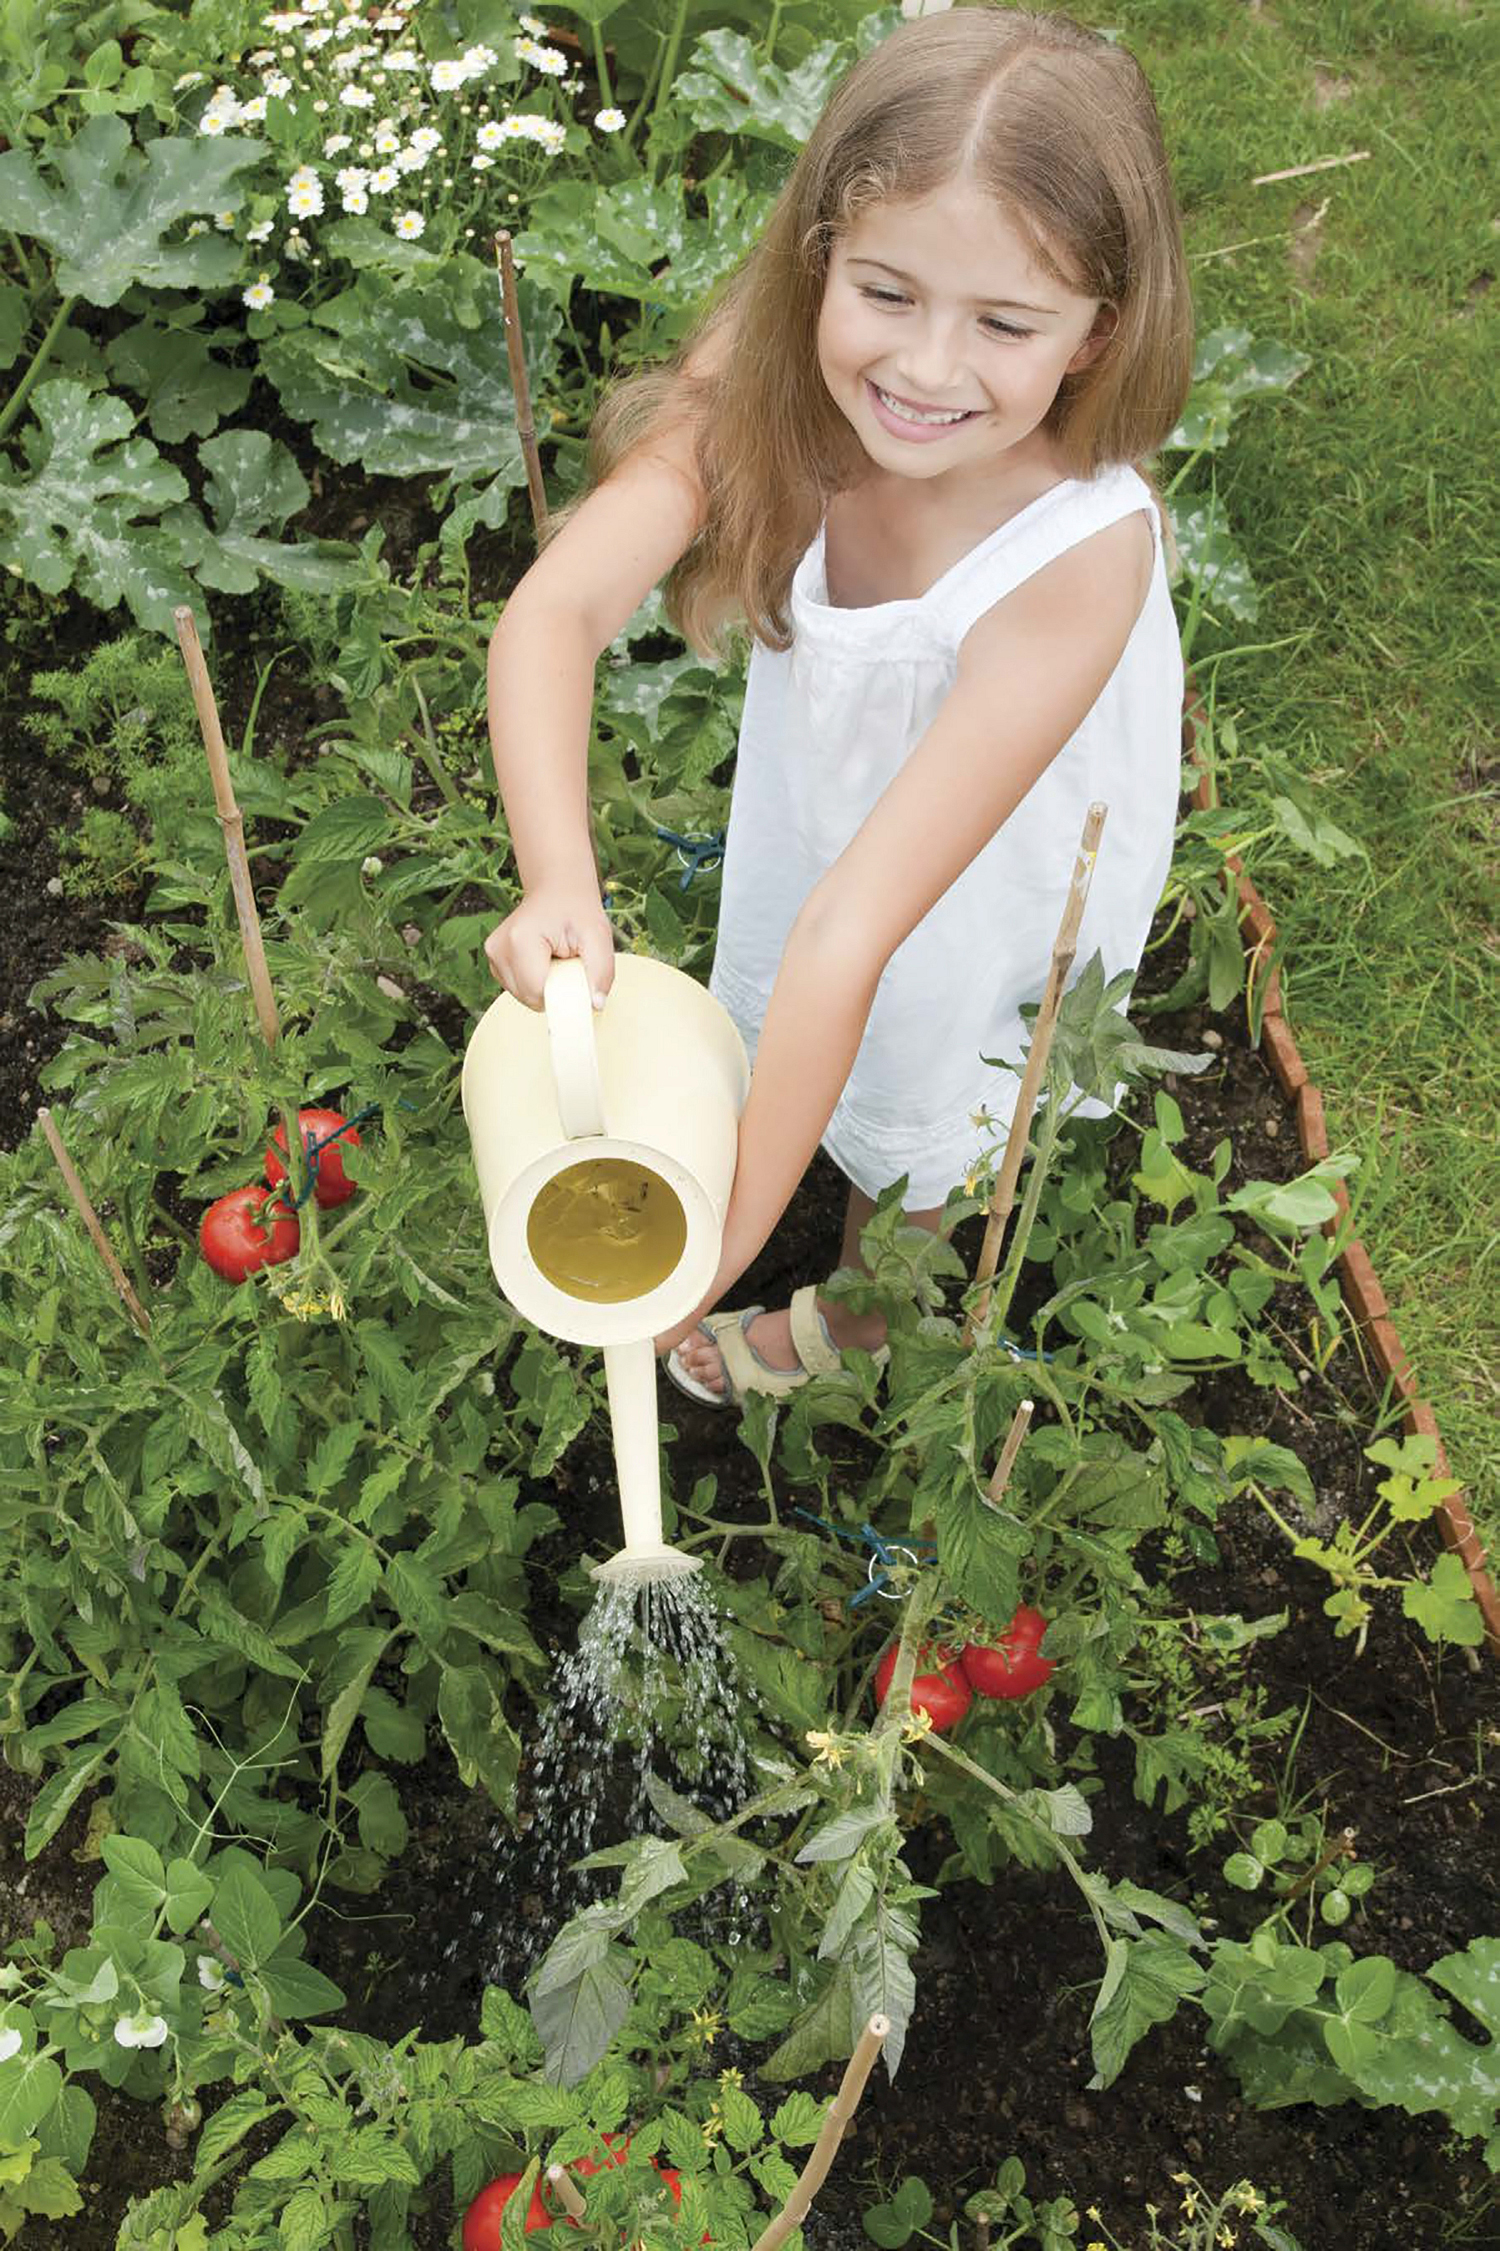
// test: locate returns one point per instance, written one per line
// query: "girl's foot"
(770, 1335)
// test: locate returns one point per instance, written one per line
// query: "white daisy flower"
(476, 59)
(403, 58)
(313, 7)
(382, 181)
(10, 2044)
(482, 163)
(260, 232)
(317, 40)
(489, 135)
(609, 120)
(336, 144)
(389, 23)
(447, 77)
(349, 27)
(304, 176)
(356, 202)
(140, 2031)
(278, 83)
(305, 203)
(550, 63)
(262, 58)
(357, 97)
(213, 121)
(533, 24)
(387, 143)
(188, 78)
(253, 111)
(427, 138)
(352, 176)
(225, 222)
(411, 160)
(409, 225)
(320, 109)
(287, 20)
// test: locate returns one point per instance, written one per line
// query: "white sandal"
(745, 1370)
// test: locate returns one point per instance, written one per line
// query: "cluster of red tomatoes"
(256, 1226)
(482, 2220)
(1010, 1667)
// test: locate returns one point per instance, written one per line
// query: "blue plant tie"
(314, 1144)
(695, 852)
(885, 1555)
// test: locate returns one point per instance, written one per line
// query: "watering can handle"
(575, 1059)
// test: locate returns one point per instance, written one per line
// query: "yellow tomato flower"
(827, 1749)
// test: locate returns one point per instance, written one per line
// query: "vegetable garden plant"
(266, 1556)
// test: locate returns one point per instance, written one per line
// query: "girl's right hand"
(549, 924)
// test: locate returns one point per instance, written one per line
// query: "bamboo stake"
(561, 2181)
(1002, 1202)
(231, 821)
(840, 2111)
(90, 1218)
(519, 383)
(1020, 1424)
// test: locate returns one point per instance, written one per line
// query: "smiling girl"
(901, 447)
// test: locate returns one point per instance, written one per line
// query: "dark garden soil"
(1396, 1743)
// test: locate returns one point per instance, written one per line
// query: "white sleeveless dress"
(828, 724)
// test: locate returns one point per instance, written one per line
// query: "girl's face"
(938, 309)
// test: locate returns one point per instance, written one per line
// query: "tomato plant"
(943, 1694)
(247, 1229)
(482, 2220)
(322, 1133)
(1012, 1666)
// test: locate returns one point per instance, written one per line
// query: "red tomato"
(945, 1695)
(249, 1228)
(482, 2220)
(330, 1185)
(617, 2145)
(1012, 1666)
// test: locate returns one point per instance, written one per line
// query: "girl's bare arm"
(1028, 674)
(571, 604)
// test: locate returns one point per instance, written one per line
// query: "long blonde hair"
(1059, 126)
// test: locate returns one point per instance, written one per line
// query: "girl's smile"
(944, 342)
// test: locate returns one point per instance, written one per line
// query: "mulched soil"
(1394, 1743)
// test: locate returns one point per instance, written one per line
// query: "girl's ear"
(1106, 321)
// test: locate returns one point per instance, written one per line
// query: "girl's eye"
(993, 322)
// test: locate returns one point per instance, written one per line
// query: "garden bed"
(1391, 1742)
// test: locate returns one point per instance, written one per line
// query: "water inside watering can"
(607, 1230)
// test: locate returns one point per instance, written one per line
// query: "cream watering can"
(605, 1144)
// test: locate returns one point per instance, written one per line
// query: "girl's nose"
(930, 367)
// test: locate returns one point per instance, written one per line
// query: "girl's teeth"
(911, 413)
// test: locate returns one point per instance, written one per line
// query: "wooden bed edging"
(1364, 1298)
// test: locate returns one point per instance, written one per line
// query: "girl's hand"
(549, 923)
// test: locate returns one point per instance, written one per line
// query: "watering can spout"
(630, 1378)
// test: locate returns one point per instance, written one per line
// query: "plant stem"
(429, 754)
(601, 72)
(668, 72)
(19, 395)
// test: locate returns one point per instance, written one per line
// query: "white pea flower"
(383, 179)
(356, 202)
(409, 225)
(374, 865)
(10, 1978)
(356, 97)
(427, 138)
(260, 232)
(258, 295)
(609, 120)
(10, 2044)
(336, 144)
(140, 2031)
(211, 1973)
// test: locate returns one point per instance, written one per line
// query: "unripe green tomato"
(1334, 1906)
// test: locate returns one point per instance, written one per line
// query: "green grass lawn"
(1365, 502)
